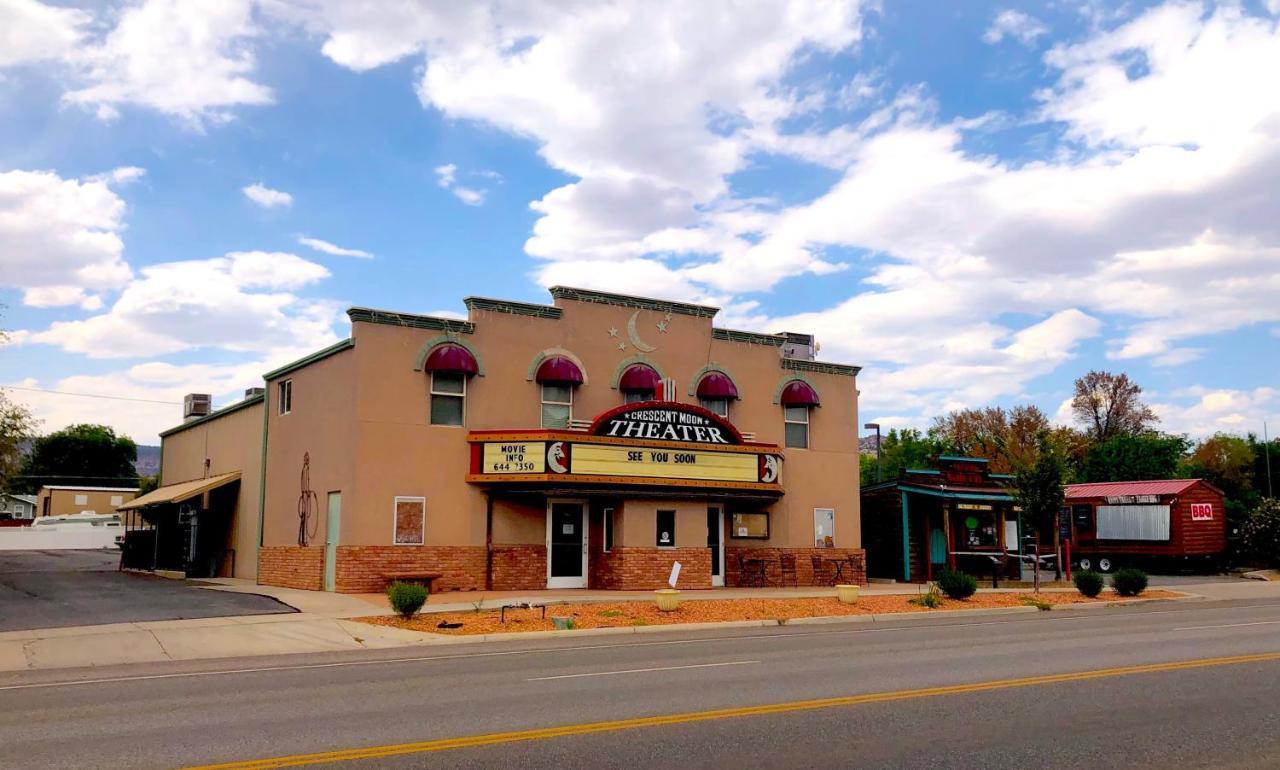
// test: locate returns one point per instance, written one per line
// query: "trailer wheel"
(1085, 564)
(1105, 564)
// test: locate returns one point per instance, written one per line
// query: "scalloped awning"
(717, 385)
(799, 393)
(451, 358)
(559, 370)
(639, 377)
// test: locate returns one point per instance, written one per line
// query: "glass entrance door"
(566, 545)
(715, 541)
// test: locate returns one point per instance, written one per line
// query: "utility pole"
(876, 427)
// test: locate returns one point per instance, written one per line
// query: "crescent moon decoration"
(640, 344)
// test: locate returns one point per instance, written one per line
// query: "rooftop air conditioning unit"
(799, 346)
(254, 392)
(196, 405)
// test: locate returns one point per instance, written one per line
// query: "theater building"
(589, 443)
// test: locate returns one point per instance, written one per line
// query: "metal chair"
(820, 571)
(787, 565)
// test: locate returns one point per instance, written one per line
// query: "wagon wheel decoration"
(307, 505)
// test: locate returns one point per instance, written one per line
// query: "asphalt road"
(55, 589)
(1213, 713)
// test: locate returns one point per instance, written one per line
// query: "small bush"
(406, 598)
(932, 599)
(957, 585)
(1129, 581)
(1039, 604)
(1089, 583)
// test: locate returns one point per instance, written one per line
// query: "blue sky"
(976, 202)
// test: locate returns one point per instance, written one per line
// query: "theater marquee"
(650, 443)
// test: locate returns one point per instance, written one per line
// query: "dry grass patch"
(646, 613)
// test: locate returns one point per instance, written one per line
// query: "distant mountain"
(148, 462)
(866, 445)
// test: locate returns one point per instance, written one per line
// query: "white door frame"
(718, 580)
(569, 582)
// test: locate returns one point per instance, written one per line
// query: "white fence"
(56, 539)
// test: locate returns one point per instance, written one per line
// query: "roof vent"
(196, 405)
(799, 346)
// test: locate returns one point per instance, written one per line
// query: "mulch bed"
(646, 613)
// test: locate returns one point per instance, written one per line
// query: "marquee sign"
(510, 460)
(666, 421)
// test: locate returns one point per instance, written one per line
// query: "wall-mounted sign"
(666, 422)
(522, 457)
(1133, 499)
(973, 507)
(1202, 511)
(614, 460)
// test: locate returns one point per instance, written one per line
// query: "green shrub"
(1129, 581)
(406, 598)
(1039, 604)
(1260, 534)
(957, 585)
(931, 599)
(1089, 583)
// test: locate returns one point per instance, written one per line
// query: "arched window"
(639, 383)
(715, 391)
(449, 366)
(557, 378)
(798, 400)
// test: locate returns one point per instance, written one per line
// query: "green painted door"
(937, 547)
(331, 528)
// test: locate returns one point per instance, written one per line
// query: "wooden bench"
(428, 578)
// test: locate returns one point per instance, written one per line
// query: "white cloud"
(1015, 24)
(32, 32)
(266, 197)
(333, 249)
(1200, 410)
(240, 302)
(60, 238)
(186, 58)
(447, 178)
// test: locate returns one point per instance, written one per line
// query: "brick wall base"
(364, 568)
(291, 566)
(634, 568)
(519, 567)
(855, 569)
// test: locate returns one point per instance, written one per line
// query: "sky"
(976, 202)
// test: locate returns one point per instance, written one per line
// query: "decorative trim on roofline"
(311, 359)
(390, 318)
(626, 300)
(514, 308)
(754, 338)
(224, 411)
(821, 367)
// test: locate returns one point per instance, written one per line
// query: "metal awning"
(184, 490)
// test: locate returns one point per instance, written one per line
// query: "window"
(751, 526)
(796, 422)
(410, 520)
(557, 405)
(636, 396)
(117, 500)
(82, 499)
(608, 529)
(824, 528)
(448, 391)
(666, 529)
(977, 529)
(718, 405)
(284, 396)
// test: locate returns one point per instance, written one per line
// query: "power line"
(93, 395)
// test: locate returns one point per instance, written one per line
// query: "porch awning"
(183, 490)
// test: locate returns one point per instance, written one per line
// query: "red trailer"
(1125, 523)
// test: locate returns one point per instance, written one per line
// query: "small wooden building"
(1116, 524)
(958, 515)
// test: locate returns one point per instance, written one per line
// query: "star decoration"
(668, 316)
(613, 331)
(622, 346)
(662, 326)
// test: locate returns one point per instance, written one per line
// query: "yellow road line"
(444, 744)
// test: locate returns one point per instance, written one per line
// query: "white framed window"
(117, 500)
(608, 530)
(448, 398)
(82, 499)
(410, 521)
(284, 397)
(718, 405)
(796, 426)
(557, 404)
(824, 528)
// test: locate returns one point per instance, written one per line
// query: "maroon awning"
(639, 377)
(559, 370)
(451, 358)
(799, 393)
(716, 385)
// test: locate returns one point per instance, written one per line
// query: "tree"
(1038, 486)
(1135, 458)
(17, 427)
(1109, 405)
(900, 450)
(81, 454)
(1260, 534)
(1009, 439)
(1227, 462)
